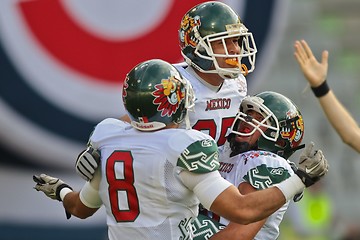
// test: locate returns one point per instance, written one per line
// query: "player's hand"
(312, 165)
(49, 185)
(315, 72)
(87, 162)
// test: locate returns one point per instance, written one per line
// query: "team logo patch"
(168, 96)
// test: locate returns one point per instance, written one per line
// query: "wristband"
(64, 192)
(291, 186)
(321, 90)
(61, 196)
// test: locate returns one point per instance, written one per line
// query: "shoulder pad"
(200, 157)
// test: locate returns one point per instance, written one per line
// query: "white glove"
(49, 185)
(87, 162)
(312, 165)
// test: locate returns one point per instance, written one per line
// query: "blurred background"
(62, 64)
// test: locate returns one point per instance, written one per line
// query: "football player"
(268, 129)
(213, 42)
(153, 175)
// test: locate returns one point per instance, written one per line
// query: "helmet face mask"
(155, 95)
(210, 22)
(271, 133)
(281, 119)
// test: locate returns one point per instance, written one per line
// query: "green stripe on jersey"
(200, 157)
(262, 177)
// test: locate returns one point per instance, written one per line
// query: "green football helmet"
(209, 22)
(282, 119)
(155, 95)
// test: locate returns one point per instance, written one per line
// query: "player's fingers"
(84, 172)
(38, 180)
(323, 164)
(48, 179)
(90, 161)
(298, 59)
(306, 48)
(299, 52)
(325, 57)
(325, 168)
(38, 187)
(308, 149)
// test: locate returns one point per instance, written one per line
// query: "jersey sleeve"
(265, 170)
(262, 176)
(200, 156)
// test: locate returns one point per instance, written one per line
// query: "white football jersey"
(261, 169)
(215, 109)
(140, 185)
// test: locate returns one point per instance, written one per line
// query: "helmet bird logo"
(168, 96)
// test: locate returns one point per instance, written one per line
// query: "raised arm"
(316, 73)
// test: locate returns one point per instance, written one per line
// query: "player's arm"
(316, 74)
(224, 199)
(75, 207)
(342, 121)
(257, 205)
(81, 204)
(238, 231)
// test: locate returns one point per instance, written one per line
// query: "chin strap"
(284, 153)
(298, 147)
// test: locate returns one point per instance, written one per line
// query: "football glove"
(49, 185)
(87, 162)
(312, 165)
